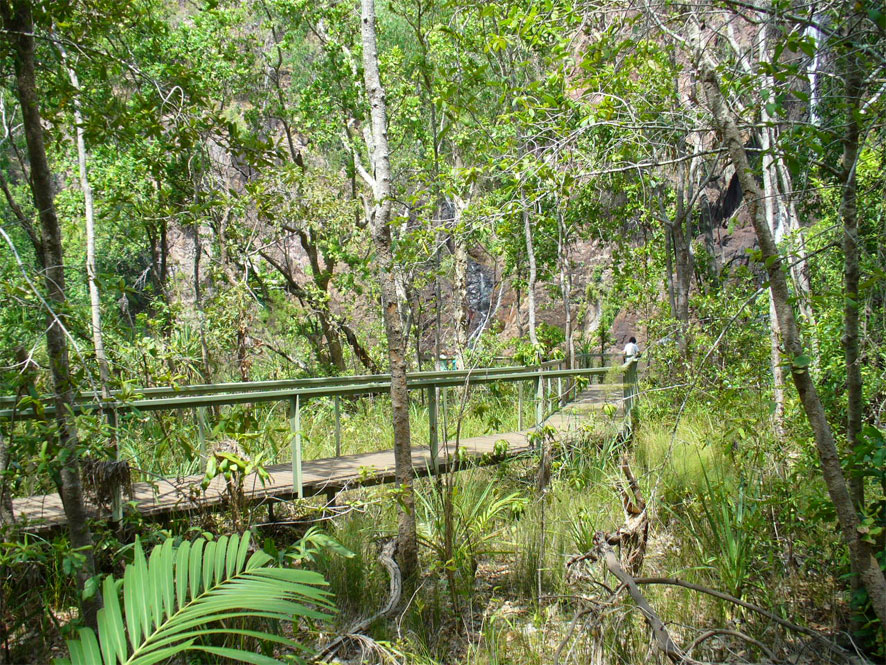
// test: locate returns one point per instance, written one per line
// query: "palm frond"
(176, 597)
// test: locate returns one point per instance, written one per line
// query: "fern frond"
(172, 598)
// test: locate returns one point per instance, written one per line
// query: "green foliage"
(314, 545)
(729, 532)
(175, 599)
(479, 511)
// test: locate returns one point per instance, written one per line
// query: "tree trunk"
(861, 553)
(6, 514)
(98, 343)
(17, 20)
(778, 371)
(461, 288)
(533, 275)
(782, 216)
(407, 546)
(770, 199)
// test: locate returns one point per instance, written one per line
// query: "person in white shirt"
(632, 351)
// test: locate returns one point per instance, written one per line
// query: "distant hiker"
(632, 351)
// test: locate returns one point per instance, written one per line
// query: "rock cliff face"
(727, 242)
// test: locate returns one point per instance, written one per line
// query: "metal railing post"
(433, 443)
(539, 398)
(295, 427)
(201, 433)
(337, 426)
(630, 386)
(519, 406)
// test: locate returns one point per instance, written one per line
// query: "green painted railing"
(548, 379)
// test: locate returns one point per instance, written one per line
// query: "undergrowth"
(723, 504)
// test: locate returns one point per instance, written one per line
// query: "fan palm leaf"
(176, 597)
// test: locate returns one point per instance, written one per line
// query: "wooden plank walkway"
(169, 496)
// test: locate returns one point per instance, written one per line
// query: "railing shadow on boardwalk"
(553, 386)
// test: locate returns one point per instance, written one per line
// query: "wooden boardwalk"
(169, 496)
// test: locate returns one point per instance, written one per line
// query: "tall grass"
(683, 463)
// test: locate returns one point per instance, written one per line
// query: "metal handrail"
(9, 401)
(242, 393)
(295, 391)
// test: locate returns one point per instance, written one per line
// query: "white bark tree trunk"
(379, 223)
(533, 273)
(773, 218)
(89, 214)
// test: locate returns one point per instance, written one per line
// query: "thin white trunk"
(812, 73)
(91, 273)
(533, 274)
(379, 223)
(771, 208)
(770, 196)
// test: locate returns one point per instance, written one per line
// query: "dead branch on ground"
(395, 590)
(631, 538)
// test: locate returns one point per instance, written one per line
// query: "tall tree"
(380, 227)
(861, 552)
(19, 26)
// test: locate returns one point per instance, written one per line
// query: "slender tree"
(861, 552)
(19, 26)
(89, 215)
(380, 227)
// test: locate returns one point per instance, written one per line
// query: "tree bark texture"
(533, 273)
(861, 553)
(407, 547)
(17, 20)
(851, 275)
(7, 516)
(778, 371)
(770, 196)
